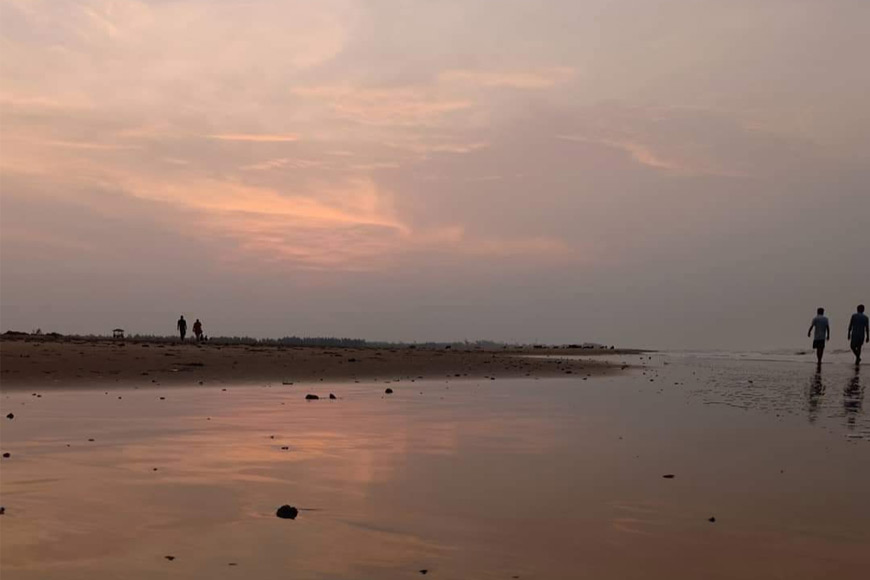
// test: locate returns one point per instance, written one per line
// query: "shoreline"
(67, 362)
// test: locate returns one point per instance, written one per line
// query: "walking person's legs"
(819, 345)
(856, 350)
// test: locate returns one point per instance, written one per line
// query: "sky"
(646, 173)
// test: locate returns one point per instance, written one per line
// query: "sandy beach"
(677, 467)
(31, 362)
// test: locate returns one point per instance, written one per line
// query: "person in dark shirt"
(859, 332)
(197, 330)
(822, 333)
(182, 327)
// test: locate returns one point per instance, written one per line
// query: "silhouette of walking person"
(823, 333)
(859, 332)
(182, 327)
(197, 330)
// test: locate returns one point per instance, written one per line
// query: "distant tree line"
(317, 341)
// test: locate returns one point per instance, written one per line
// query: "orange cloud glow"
(255, 138)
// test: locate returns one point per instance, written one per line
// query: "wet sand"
(555, 478)
(43, 363)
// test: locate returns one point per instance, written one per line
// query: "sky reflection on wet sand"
(541, 479)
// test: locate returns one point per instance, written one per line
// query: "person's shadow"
(853, 398)
(814, 396)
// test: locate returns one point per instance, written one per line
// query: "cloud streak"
(255, 138)
(533, 79)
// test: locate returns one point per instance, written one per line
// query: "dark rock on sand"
(668, 476)
(311, 397)
(332, 397)
(7, 455)
(10, 416)
(389, 391)
(2, 510)
(424, 571)
(712, 520)
(287, 512)
(170, 558)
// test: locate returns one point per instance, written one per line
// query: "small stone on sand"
(287, 512)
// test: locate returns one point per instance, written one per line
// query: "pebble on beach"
(287, 512)
(310, 397)
(389, 391)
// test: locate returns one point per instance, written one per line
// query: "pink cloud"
(255, 138)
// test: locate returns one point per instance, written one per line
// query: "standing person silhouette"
(182, 327)
(823, 333)
(859, 332)
(197, 330)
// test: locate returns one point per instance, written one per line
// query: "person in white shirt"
(822, 335)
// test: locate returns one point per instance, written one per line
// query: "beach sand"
(555, 478)
(42, 362)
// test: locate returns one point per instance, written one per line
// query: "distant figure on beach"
(859, 332)
(197, 330)
(823, 333)
(182, 327)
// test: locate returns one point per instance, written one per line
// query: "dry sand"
(42, 362)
